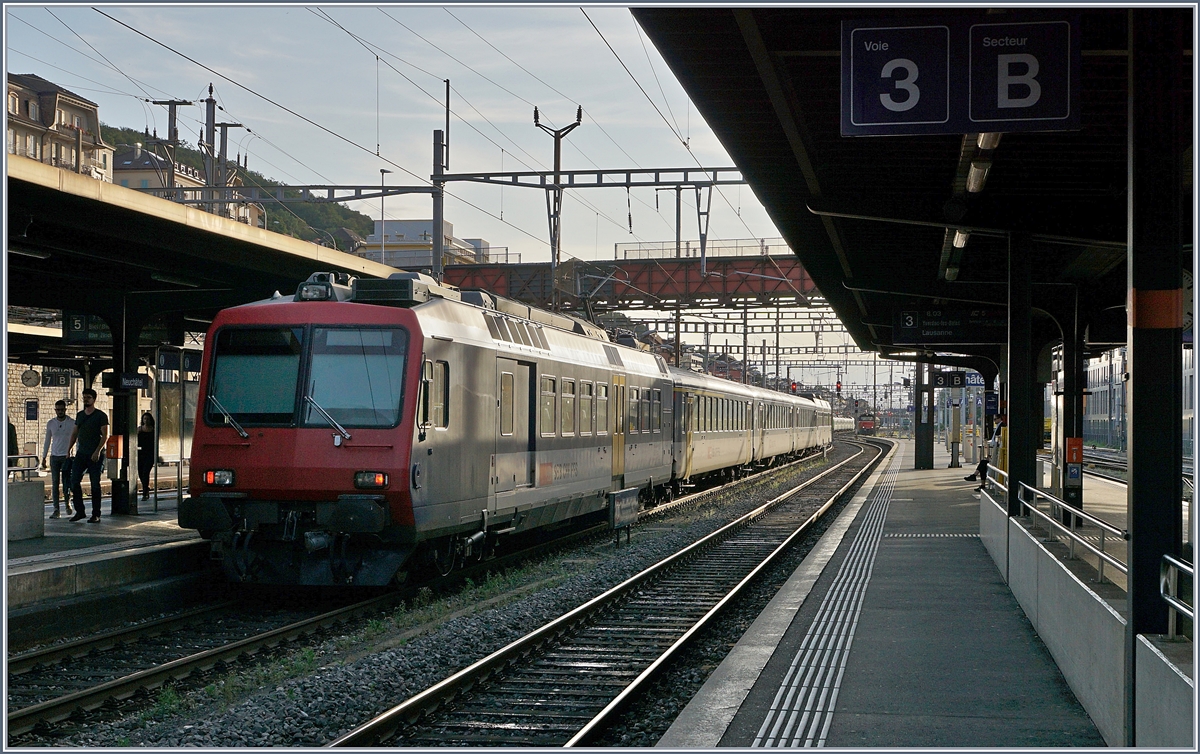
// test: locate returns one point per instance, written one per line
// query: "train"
(843, 424)
(363, 430)
(866, 424)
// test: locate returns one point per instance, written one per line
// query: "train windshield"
(357, 376)
(254, 375)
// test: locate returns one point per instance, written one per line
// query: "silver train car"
(483, 418)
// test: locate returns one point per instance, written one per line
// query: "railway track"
(560, 684)
(66, 681)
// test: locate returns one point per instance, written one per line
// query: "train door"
(514, 438)
(619, 409)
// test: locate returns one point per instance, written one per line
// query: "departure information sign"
(960, 75)
(933, 326)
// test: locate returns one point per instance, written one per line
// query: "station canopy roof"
(768, 81)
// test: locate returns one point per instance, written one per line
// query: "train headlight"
(370, 480)
(314, 292)
(219, 477)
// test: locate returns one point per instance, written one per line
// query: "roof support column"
(1155, 319)
(126, 327)
(1073, 383)
(923, 416)
(1023, 431)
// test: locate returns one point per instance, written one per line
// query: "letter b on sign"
(1021, 72)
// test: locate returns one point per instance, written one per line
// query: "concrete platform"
(897, 631)
(122, 565)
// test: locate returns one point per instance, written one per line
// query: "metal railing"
(1053, 525)
(23, 465)
(691, 248)
(992, 481)
(1168, 589)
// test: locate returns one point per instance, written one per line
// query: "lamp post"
(382, 220)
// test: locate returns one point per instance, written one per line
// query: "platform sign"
(56, 377)
(898, 76)
(991, 404)
(85, 328)
(1023, 73)
(975, 379)
(949, 379)
(941, 325)
(31, 410)
(960, 75)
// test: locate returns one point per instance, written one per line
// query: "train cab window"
(644, 413)
(357, 376)
(568, 407)
(506, 403)
(549, 406)
(656, 410)
(634, 394)
(601, 408)
(585, 408)
(254, 375)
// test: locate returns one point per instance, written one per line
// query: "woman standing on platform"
(147, 452)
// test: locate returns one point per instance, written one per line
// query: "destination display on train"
(918, 327)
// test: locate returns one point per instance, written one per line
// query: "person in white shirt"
(56, 452)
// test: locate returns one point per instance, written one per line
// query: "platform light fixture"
(988, 140)
(960, 238)
(977, 175)
(951, 273)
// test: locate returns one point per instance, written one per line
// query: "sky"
(320, 63)
(322, 88)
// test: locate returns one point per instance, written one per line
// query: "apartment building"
(50, 124)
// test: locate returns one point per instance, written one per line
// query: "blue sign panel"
(900, 76)
(975, 379)
(991, 404)
(960, 75)
(1021, 72)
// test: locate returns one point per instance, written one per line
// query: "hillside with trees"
(302, 220)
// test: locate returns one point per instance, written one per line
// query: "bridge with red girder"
(659, 284)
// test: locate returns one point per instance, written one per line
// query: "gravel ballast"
(351, 682)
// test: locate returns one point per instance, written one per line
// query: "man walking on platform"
(91, 430)
(56, 452)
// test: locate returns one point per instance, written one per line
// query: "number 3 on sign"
(906, 84)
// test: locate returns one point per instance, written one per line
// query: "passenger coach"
(364, 428)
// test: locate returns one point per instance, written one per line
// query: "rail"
(441, 695)
(1057, 508)
(1168, 589)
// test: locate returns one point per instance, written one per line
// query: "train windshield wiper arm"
(228, 416)
(333, 422)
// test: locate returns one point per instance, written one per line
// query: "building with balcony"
(50, 124)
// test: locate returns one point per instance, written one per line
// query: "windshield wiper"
(228, 416)
(328, 418)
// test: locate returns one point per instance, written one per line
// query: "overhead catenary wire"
(378, 50)
(591, 118)
(585, 202)
(310, 121)
(649, 99)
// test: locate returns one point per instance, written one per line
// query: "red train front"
(303, 439)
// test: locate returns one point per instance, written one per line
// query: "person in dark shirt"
(12, 443)
(146, 452)
(91, 431)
